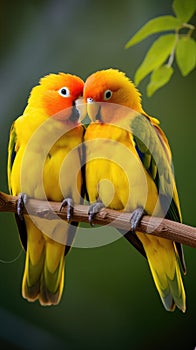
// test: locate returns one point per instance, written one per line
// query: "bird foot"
(136, 217)
(68, 202)
(93, 210)
(22, 201)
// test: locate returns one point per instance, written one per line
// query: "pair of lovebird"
(124, 159)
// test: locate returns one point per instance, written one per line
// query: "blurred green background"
(109, 301)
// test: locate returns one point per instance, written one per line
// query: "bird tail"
(44, 280)
(43, 277)
(165, 270)
(52, 277)
(35, 257)
(31, 277)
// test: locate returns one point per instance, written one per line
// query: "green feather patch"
(151, 151)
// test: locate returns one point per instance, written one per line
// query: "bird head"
(57, 95)
(105, 91)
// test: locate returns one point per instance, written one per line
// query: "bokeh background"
(109, 301)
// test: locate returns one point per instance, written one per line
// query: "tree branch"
(152, 225)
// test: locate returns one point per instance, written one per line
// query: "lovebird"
(44, 162)
(129, 168)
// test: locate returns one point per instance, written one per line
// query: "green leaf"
(156, 56)
(184, 9)
(155, 25)
(159, 77)
(186, 55)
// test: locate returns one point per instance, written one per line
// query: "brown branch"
(152, 225)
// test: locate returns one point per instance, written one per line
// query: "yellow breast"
(114, 172)
(47, 165)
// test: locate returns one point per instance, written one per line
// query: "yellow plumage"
(45, 154)
(128, 166)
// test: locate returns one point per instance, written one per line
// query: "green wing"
(11, 154)
(153, 149)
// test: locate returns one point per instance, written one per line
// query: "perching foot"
(136, 217)
(93, 210)
(68, 202)
(22, 200)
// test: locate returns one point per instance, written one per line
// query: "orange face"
(101, 87)
(112, 87)
(62, 92)
(56, 93)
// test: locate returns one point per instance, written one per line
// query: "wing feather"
(11, 154)
(153, 149)
(11, 157)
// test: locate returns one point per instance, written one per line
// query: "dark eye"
(107, 95)
(90, 100)
(64, 91)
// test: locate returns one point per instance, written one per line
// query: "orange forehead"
(98, 82)
(53, 82)
(46, 95)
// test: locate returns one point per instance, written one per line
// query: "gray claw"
(22, 201)
(136, 217)
(68, 202)
(90, 218)
(93, 210)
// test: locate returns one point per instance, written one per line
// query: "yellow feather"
(47, 166)
(120, 178)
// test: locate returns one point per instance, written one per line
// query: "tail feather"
(52, 278)
(35, 257)
(31, 278)
(51, 284)
(165, 270)
(168, 301)
(48, 297)
(172, 290)
(44, 269)
(40, 283)
(177, 289)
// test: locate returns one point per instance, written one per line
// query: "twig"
(152, 225)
